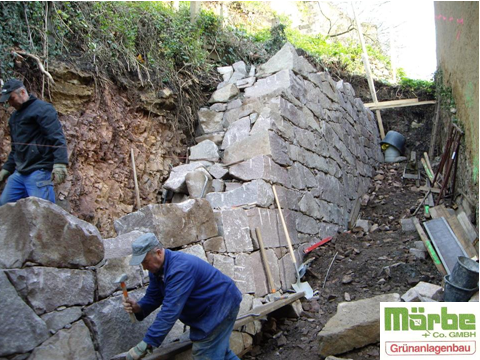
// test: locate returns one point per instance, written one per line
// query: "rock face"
(173, 224)
(355, 325)
(49, 237)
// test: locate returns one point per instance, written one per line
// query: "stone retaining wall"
(284, 125)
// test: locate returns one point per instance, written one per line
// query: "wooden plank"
(427, 188)
(467, 226)
(172, 349)
(462, 236)
(427, 170)
(429, 246)
(392, 102)
(375, 107)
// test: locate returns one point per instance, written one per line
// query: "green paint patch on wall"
(469, 95)
(475, 169)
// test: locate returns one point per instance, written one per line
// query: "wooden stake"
(137, 192)
(371, 84)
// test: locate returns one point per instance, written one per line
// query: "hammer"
(121, 280)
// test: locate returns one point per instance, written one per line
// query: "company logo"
(400, 318)
(415, 330)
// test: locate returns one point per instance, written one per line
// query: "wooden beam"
(379, 107)
(392, 102)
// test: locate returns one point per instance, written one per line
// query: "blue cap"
(10, 86)
(142, 246)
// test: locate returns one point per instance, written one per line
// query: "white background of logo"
(397, 345)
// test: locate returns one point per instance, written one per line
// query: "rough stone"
(120, 246)
(286, 58)
(267, 222)
(244, 83)
(224, 94)
(48, 288)
(274, 85)
(256, 264)
(216, 245)
(41, 232)
(236, 342)
(233, 226)
(254, 192)
(219, 107)
(218, 171)
(73, 343)
(210, 121)
(244, 274)
(199, 183)
(239, 130)
(260, 143)
(240, 67)
(225, 264)
(356, 324)
(57, 320)
(260, 167)
(408, 225)
(216, 137)
(196, 250)
(111, 271)
(176, 180)
(423, 289)
(206, 150)
(173, 224)
(22, 330)
(218, 185)
(309, 206)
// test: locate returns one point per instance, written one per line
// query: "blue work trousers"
(37, 183)
(217, 345)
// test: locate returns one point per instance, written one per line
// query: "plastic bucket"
(396, 140)
(391, 154)
(454, 293)
(465, 273)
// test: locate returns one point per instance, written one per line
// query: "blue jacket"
(191, 290)
(38, 140)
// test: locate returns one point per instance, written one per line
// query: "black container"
(465, 273)
(396, 140)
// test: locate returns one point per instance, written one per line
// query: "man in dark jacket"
(38, 156)
(188, 289)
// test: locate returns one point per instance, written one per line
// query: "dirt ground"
(365, 265)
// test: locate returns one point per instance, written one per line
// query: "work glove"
(59, 173)
(139, 351)
(4, 174)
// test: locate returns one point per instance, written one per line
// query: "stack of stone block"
(285, 125)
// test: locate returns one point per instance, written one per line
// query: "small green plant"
(443, 93)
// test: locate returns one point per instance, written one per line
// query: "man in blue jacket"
(38, 156)
(188, 289)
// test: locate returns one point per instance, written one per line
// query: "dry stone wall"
(283, 124)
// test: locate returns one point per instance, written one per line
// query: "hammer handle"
(125, 296)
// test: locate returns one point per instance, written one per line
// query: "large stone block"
(260, 167)
(259, 143)
(224, 94)
(237, 131)
(301, 177)
(244, 274)
(255, 192)
(280, 83)
(210, 121)
(225, 264)
(270, 229)
(199, 183)
(355, 325)
(120, 246)
(73, 343)
(57, 320)
(206, 150)
(306, 224)
(49, 288)
(235, 230)
(259, 277)
(22, 330)
(112, 270)
(196, 250)
(41, 232)
(176, 180)
(311, 207)
(173, 224)
(286, 58)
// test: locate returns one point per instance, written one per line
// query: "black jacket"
(38, 140)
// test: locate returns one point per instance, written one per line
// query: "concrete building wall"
(457, 56)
